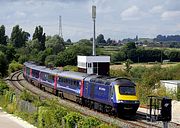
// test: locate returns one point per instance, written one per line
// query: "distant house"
(173, 85)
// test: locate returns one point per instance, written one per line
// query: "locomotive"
(102, 93)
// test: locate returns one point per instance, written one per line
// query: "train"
(107, 94)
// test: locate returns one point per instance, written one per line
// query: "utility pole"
(60, 27)
(94, 35)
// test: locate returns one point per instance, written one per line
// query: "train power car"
(106, 94)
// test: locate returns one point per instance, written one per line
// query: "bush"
(70, 68)
(88, 122)
(118, 73)
(3, 87)
(14, 66)
(28, 97)
(71, 120)
(46, 118)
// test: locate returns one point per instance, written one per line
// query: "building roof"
(170, 81)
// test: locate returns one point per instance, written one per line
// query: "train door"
(86, 88)
(92, 90)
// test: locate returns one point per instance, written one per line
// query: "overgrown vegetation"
(148, 80)
(41, 114)
(14, 66)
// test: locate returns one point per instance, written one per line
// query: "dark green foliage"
(69, 56)
(50, 60)
(10, 53)
(42, 55)
(68, 41)
(119, 56)
(19, 37)
(100, 39)
(3, 48)
(14, 66)
(3, 64)
(56, 43)
(40, 36)
(3, 37)
(23, 58)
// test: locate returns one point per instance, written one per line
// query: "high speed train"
(102, 93)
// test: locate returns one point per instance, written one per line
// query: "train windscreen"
(127, 90)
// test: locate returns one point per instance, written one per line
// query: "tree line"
(141, 54)
(162, 38)
(53, 50)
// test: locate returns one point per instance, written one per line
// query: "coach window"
(64, 80)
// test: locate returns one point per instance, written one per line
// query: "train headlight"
(137, 102)
(120, 101)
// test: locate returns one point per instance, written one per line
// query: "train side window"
(74, 82)
(64, 80)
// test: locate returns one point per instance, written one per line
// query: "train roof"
(42, 68)
(74, 75)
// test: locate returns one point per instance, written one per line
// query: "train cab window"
(127, 90)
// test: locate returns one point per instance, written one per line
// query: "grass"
(121, 66)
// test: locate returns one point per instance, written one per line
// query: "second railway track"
(18, 82)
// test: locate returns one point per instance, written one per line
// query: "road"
(10, 121)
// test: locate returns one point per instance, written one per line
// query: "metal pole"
(94, 38)
(94, 35)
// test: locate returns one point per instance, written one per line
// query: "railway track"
(138, 121)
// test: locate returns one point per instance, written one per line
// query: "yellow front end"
(120, 97)
(126, 103)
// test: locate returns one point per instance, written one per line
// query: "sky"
(115, 19)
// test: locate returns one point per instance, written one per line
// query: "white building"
(173, 85)
(94, 64)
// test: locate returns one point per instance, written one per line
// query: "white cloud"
(131, 13)
(170, 15)
(157, 9)
(20, 14)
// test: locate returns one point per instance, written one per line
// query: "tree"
(19, 37)
(38, 34)
(3, 37)
(56, 43)
(130, 50)
(69, 56)
(109, 41)
(3, 64)
(100, 39)
(10, 53)
(68, 41)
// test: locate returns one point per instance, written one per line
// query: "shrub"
(118, 73)
(88, 122)
(27, 96)
(70, 68)
(14, 66)
(3, 87)
(71, 119)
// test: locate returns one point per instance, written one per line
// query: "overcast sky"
(116, 19)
